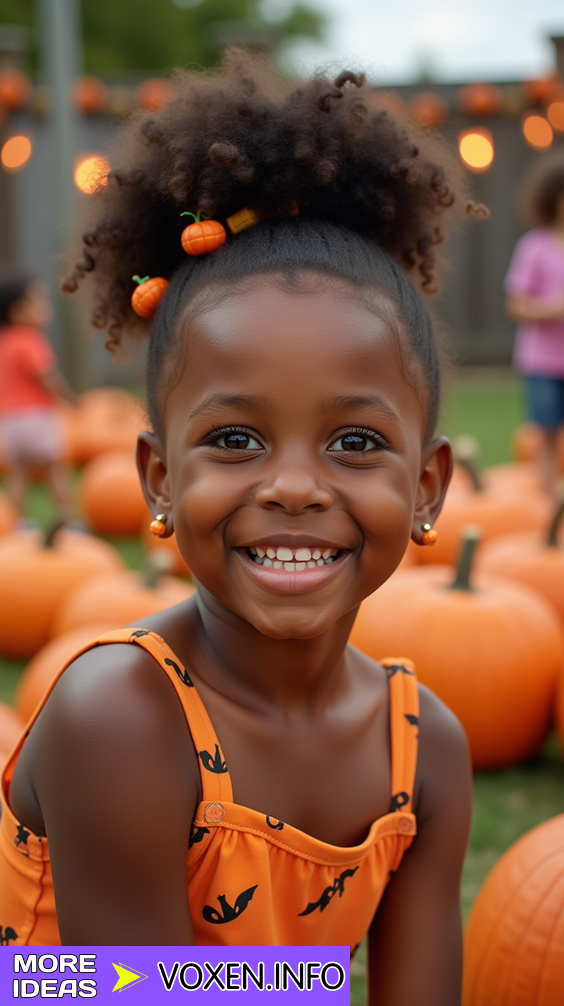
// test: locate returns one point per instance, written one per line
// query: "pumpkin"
(44, 666)
(146, 298)
(108, 419)
(8, 514)
(526, 441)
(11, 729)
(487, 504)
(15, 88)
(532, 558)
(559, 709)
(203, 236)
(480, 100)
(110, 494)
(542, 90)
(120, 597)
(492, 650)
(153, 93)
(514, 940)
(428, 109)
(89, 95)
(38, 572)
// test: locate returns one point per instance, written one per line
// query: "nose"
(295, 486)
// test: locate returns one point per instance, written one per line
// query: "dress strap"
(216, 781)
(404, 730)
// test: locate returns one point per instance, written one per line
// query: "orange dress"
(252, 880)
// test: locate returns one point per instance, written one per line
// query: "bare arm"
(58, 385)
(415, 941)
(115, 775)
(520, 307)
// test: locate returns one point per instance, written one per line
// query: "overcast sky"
(456, 39)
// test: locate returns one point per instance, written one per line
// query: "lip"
(278, 581)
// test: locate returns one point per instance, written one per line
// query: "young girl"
(30, 383)
(230, 772)
(535, 299)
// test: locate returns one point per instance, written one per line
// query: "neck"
(254, 670)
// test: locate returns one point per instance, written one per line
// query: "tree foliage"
(140, 36)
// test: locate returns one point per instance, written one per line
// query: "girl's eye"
(358, 442)
(238, 440)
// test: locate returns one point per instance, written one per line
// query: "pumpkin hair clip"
(203, 236)
(147, 295)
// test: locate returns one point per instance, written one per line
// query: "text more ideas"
(54, 988)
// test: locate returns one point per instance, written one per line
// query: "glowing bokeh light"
(555, 115)
(537, 132)
(91, 173)
(476, 149)
(16, 152)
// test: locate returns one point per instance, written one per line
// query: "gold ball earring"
(429, 535)
(158, 525)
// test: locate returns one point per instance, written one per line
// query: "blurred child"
(535, 299)
(30, 384)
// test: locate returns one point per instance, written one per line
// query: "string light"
(555, 115)
(16, 152)
(476, 148)
(537, 132)
(91, 173)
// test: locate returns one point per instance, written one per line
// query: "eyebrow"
(214, 401)
(363, 401)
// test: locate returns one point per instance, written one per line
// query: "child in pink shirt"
(30, 384)
(535, 299)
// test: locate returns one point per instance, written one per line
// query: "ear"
(154, 476)
(436, 472)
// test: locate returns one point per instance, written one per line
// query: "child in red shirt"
(30, 384)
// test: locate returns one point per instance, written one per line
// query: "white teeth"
(303, 555)
(260, 552)
(267, 562)
(277, 564)
(259, 561)
(320, 562)
(291, 559)
(311, 564)
(316, 555)
(271, 553)
(284, 554)
(326, 553)
(289, 566)
(300, 566)
(253, 551)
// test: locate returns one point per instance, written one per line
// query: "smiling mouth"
(292, 560)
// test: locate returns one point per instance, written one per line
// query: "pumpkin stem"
(140, 280)
(470, 537)
(466, 454)
(552, 537)
(195, 216)
(51, 532)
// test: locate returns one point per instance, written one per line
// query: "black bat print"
(337, 887)
(230, 912)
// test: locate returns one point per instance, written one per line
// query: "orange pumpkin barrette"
(147, 295)
(202, 236)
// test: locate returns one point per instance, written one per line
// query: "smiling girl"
(231, 772)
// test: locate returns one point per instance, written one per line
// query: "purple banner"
(150, 975)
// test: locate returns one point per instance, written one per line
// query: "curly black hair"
(371, 191)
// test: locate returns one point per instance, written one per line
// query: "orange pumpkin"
(428, 109)
(514, 941)
(146, 298)
(153, 93)
(480, 100)
(119, 598)
(203, 236)
(37, 574)
(492, 650)
(44, 666)
(110, 494)
(532, 558)
(90, 95)
(15, 88)
(11, 729)
(8, 514)
(542, 90)
(108, 419)
(559, 709)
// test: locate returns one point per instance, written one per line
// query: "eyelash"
(221, 431)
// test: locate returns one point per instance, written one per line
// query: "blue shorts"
(546, 401)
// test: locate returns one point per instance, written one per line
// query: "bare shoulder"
(113, 715)
(444, 771)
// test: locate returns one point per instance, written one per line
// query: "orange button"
(214, 813)
(405, 826)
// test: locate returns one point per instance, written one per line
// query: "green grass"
(506, 803)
